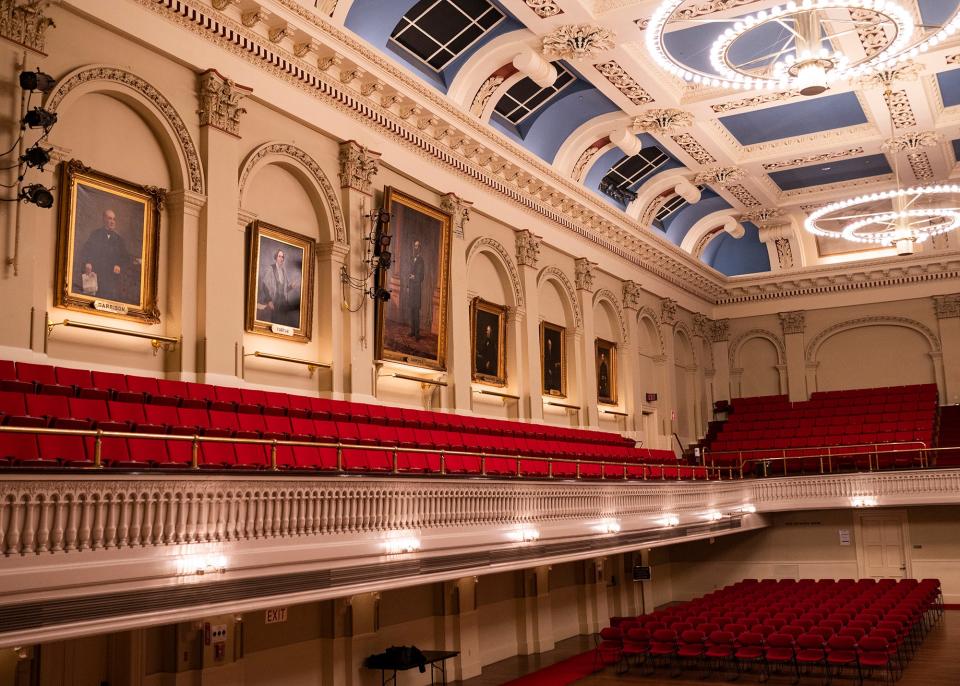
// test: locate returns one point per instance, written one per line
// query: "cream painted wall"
(855, 358)
(760, 376)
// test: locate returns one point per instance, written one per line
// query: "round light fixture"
(802, 62)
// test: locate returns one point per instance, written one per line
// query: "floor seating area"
(863, 630)
(329, 434)
(854, 429)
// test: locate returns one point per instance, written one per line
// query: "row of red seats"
(887, 412)
(60, 412)
(785, 625)
(924, 390)
(45, 379)
(904, 420)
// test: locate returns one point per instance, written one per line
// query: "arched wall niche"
(609, 322)
(685, 368)
(499, 259)
(558, 305)
(757, 357)
(875, 351)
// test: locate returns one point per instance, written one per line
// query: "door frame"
(899, 514)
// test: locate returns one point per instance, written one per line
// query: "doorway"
(883, 546)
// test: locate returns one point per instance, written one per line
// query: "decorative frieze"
(741, 193)
(486, 90)
(911, 141)
(698, 9)
(763, 217)
(576, 41)
(459, 210)
(25, 23)
(692, 147)
(702, 326)
(720, 176)
(358, 166)
(947, 306)
(813, 159)
(901, 112)
(586, 157)
(753, 101)
(624, 83)
(528, 248)
(721, 331)
(221, 102)
(921, 166)
(784, 253)
(905, 71)
(223, 4)
(584, 274)
(631, 295)
(668, 311)
(793, 322)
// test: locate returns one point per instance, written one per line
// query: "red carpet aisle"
(562, 673)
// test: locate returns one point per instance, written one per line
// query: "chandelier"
(802, 37)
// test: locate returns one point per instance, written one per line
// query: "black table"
(436, 659)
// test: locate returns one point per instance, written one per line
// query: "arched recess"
(507, 270)
(150, 103)
(874, 351)
(652, 192)
(480, 66)
(577, 143)
(704, 230)
(557, 304)
(308, 171)
(649, 356)
(564, 285)
(685, 386)
(605, 301)
(758, 359)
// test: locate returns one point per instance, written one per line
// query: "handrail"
(311, 365)
(618, 413)
(783, 451)
(499, 394)
(196, 440)
(873, 457)
(567, 406)
(410, 377)
(157, 342)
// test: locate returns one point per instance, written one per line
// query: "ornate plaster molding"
(528, 248)
(720, 176)
(631, 295)
(91, 74)
(316, 172)
(624, 83)
(358, 166)
(813, 159)
(721, 331)
(544, 8)
(484, 93)
(793, 322)
(746, 336)
(668, 311)
(487, 244)
(221, 102)
(699, 9)
(901, 112)
(913, 140)
(586, 157)
(584, 274)
(784, 250)
(905, 71)
(662, 120)
(753, 101)
(702, 326)
(692, 147)
(741, 193)
(552, 273)
(25, 23)
(921, 166)
(947, 306)
(764, 217)
(606, 295)
(459, 210)
(576, 41)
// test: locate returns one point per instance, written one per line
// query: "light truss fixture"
(806, 56)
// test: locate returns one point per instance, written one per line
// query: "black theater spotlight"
(38, 195)
(36, 156)
(39, 118)
(381, 294)
(385, 259)
(37, 81)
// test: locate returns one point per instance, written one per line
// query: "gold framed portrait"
(553, 360)
(411, 327)
(279, 282)
(605, 354)
(108, 244)
(489, 336)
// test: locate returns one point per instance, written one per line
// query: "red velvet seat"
(43, 377)
(81, 380)
(9, 381)
(13, 409)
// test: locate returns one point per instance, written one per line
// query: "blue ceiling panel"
(936, 11)
(547, 129)
(680, 222)
(832, 172)
(735, 256)
(602, 165)
(949, 82)
(796, 119)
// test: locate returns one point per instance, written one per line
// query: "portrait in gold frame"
(553, 360)
(279, 282)
(411, 327)
(488, 334)
(605, 355)
(108, 237)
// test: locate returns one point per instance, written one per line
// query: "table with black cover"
(435, 659)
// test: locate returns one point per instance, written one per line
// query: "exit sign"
(277, 615)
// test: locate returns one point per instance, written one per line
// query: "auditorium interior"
(464, 340)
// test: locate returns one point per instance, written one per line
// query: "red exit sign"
(276, 615)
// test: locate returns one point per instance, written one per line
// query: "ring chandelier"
(802, 63)
(901, 227)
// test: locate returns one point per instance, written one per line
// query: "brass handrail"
(410, 377)
(617, 413)
(499, 394)
(196, 439)
(311, 365)
(783, 451)
(873, 457)
(158, 342)
(563, 405)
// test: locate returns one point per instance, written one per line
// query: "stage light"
(37, 81)
(36, 157)
(38, 195)
(381, 294)
(39, 118)
(386, 258)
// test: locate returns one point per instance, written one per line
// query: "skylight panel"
(524, 97)
(437, 31)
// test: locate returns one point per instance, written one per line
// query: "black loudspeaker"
(641, 573)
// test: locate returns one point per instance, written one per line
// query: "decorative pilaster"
(221, 102)
(358, 166)
(528, 248)
(631, 297)
(528, 257)
(947, 309)
(720, 343)
(633, 381)
(777, 234)
(584, 274)
(25, 23)
(668, 311)
(459, 210)
(793, 325)
(583, 279)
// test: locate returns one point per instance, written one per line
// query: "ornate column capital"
(631, 295)
(702, 326)
(668, 311)
(459, 210)
(947, 306)
(220, 102)
(583, 274)
(528, 248)
(793, 322)
(721, 331)
(25, 23)
(358, 166)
